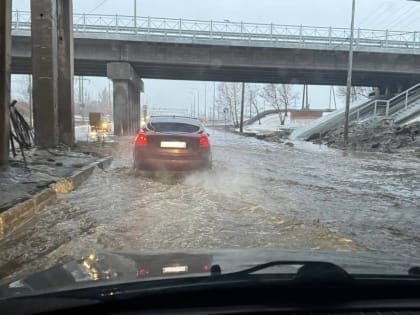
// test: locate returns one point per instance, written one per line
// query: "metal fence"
(217, 31)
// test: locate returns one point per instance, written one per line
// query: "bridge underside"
(157, 60)
(236, 74)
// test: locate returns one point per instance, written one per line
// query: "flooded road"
(258, 195)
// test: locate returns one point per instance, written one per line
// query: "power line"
(407, 14)
(380, 15)
(409, 23)
(373, 16)
(406, 18)
(369, 14)
(97, 7)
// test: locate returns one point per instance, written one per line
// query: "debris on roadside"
(23, 177)
(384, 137)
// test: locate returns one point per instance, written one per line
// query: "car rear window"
(172, 127)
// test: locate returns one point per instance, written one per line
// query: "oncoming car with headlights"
(172, 143)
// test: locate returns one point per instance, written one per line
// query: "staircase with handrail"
(399, 108)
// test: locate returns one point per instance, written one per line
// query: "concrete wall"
(306, 115)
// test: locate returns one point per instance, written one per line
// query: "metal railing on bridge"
(252, 33)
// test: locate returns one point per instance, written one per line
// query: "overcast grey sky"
(377, 14)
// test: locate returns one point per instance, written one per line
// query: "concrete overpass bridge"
(53, 44)
(182, 49)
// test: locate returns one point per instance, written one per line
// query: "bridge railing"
(386, 108)
(170, 28)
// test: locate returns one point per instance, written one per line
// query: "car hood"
(122, 267)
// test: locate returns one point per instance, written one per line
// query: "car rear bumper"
(171, 162)
(172, 165)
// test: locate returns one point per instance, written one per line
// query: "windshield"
(264, 130)
(172, 127)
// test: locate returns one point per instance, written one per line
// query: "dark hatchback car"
(172, 143)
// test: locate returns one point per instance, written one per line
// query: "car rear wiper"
(310, 271)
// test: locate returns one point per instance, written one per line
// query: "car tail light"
(141, 139)
(204, 141)
(142, 272)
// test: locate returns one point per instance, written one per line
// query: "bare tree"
(229, 95)
(281, 97)
(357, 92)
(252, 94)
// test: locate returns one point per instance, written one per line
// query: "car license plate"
(174, 269)
(173, 144)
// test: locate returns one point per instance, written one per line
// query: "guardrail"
(386, 107)
(171, 28)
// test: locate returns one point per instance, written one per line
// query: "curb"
(16, 216)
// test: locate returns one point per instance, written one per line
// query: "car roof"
(175, 119)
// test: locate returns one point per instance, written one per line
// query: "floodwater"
(258, 195)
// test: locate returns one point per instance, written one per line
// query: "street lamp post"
(349, 73)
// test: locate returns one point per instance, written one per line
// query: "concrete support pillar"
(65, 71)
(5, 60)
(52, 71)
(127, 87)
(44, 71)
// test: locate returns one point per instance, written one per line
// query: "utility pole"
(349, 73)
(332, 98)
(205, 100)
(135, 15)
(241, 123)
(198, 103)
(110, 101)
(193, 105)
(83, 91)
(214, 100)
(30, 99)
(82, 94)
(250, 104)
(303, 96)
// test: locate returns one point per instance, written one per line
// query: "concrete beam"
(44, 71)
(65, 61)
(124, 71)
(127, 87)
(5, 64)
(263, 65)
